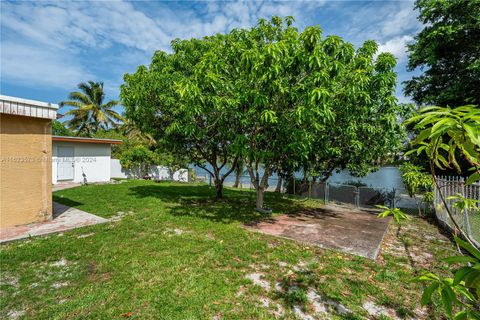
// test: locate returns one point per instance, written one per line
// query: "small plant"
(398, 215)
(461, 291)
(463, 203)
(428, 198)
(417, 182)
(296, 295)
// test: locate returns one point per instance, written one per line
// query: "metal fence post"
(357, 197)
(325, 193)
(465, 192)
(394, 195)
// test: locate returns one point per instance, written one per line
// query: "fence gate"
(342, 193)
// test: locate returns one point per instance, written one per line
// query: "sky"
(47, 48)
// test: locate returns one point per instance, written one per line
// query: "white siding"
(93, 159)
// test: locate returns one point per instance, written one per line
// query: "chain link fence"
(353, 195)
(243, 182)
(468, 220)
(362, 196)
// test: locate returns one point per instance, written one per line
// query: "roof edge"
(29, 102)
(86, 140)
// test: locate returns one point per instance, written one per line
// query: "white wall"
(156, 172)
(93, 159)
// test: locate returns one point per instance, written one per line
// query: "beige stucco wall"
(25, 170)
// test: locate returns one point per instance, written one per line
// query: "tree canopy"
(180, 99)
(447, 50)
(59, 129)
(273, 96)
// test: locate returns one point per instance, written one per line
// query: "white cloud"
(59, 44)
(62, 43)
(399, 22)
(396, 46)
(45, 43)
(91, 24)
(37, 66)
(392, 25)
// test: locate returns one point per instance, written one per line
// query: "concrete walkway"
(65, 218)
(338, 227)
(65, 185)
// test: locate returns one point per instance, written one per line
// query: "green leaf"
(460, 259)
(467, 246)
(473, 132)
(462, 315)
(474, 177)
(427, 277)
(447, 299)
(427, 293)
(460, 274)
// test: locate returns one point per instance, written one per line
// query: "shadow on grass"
(199, 201)
(66, 201)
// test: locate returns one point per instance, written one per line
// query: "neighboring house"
(25, 160)
(81, 160)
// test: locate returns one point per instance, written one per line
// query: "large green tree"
(364, 130)
(185, 99)
(90, 113)
(272, 96)
(447, 50)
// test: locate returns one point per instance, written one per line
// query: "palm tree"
(90, 113)
(129, 130)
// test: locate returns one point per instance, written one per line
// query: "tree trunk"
(237, 179)
(218, 188)
(279, 184)
(418, 205)
(305, 176)
(260, 194)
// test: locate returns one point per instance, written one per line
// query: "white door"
(66, 163)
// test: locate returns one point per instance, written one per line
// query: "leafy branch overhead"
(447, 132)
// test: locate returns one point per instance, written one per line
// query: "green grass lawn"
(178, 254)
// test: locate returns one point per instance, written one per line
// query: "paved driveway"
(343, 228)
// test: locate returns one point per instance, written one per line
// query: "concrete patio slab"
(338, 227)
(64, 218)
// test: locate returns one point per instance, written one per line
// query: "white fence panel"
(156, 172)
(468, 221)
